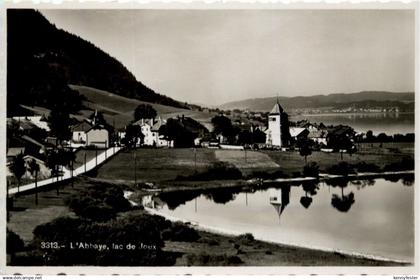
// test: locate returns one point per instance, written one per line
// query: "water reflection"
(311, 213)
(280, 198)
(310, 187)
(343, 203)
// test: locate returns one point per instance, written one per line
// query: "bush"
(342, 168)
(209, 241)
(311, 170)
(267, 175)
(136, 230)
(367, 167)
(99, 203)
(180, 232)
(246, 238)
(13, 242)
(405, 164)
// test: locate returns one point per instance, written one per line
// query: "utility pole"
(195, 159)
(135, 167)
(245, 153)
(195, 205)
(96, 156)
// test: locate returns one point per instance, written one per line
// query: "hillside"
(120, 110)
(318, 101)
(43, 60)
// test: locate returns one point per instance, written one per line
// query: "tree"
(133, 136)
(223, 125)
(310, 187)
(175, 131)
(305, 148)
(144, 111)
(259, 136)
(340, 142)
(59, 122)
(18, 167)
(34, 169)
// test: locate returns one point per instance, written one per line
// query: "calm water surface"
(374, 217)
(389, 123)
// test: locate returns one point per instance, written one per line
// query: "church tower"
(278, 127)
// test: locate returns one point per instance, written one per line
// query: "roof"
(154, 124)
(35, 158)
(277, 109)
(317, 134)
(33, 141)
(12, 152)
(82, 126)
(296, 131)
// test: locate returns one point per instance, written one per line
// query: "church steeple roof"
(277, 109)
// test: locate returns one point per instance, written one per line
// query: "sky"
(216, 56)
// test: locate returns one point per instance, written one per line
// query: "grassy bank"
(181, 246)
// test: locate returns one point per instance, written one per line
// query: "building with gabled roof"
(90, 134)
(150, 130)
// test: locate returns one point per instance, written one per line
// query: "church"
(278, 133)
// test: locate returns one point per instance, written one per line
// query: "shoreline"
(227, 233)
(207, 185)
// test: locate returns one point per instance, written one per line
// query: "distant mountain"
(42, 60)
(321, 101)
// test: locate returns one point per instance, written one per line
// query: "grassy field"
(248, 161)
(154, 165)
(119, 110)
(159, 165)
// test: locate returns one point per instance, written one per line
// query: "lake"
(369, 217)
(390, 123)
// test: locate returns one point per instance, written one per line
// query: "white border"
(144, 4)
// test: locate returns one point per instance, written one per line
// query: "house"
(277, 133)
(150, 130)
(298, 133)
(90, 134)
(318, 136)
(79, 132)
(39, 121)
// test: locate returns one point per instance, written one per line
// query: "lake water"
(373, 217)
(389, 123)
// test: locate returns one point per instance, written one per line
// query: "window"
(272, 119)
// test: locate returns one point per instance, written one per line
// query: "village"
(31, 142)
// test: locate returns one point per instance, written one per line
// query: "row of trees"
(54, 159)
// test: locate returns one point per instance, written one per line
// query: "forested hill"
(42, 60)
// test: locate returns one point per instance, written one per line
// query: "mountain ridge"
(319, 100)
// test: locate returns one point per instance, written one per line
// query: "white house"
(150, 130)
(89, 134)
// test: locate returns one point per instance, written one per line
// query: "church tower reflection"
(280, 198)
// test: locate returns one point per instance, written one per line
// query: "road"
(91, 164)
